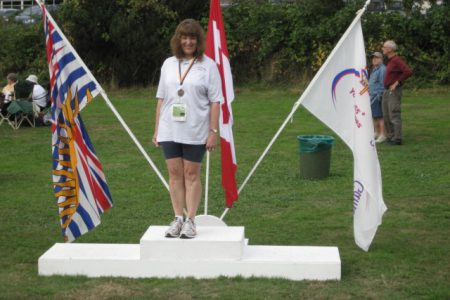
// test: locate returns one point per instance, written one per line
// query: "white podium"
(216, 251)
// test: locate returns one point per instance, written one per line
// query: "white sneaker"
(381, 139)
(188, 231)
(174, 228)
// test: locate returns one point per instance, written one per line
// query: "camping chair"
(4, 114)
(21, 111)
(4, 117)
(42, 115)
(46, 116)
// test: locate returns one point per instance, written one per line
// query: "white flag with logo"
(338, 96)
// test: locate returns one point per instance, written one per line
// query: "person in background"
(23, 90)
(397, 71)
(187, 117)
(39, 94)
(9, 93)
(8, 90)
(376, 89)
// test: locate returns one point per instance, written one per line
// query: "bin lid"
(314, 143)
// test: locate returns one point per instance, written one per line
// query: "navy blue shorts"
(193, 153)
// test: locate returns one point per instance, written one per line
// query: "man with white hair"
(397, 71)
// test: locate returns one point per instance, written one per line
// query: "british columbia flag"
(80, 186)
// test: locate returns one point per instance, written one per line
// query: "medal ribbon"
(182, 77)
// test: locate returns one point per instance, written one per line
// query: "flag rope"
(110, 105)
(297, 104)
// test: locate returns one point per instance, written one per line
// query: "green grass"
(409, 257)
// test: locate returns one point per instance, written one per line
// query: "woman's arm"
(213, 126)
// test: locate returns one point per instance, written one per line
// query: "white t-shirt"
(39, 95)
(201, 86)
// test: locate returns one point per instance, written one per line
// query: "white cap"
(32, 78)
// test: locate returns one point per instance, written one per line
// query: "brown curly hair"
(192, 28)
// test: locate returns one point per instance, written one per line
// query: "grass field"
(409, 257)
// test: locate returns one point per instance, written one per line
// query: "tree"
(124, 42)
(188, 9)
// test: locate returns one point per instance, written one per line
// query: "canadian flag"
(216, 49)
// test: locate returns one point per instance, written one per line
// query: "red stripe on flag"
(228, 171)
(97, 191)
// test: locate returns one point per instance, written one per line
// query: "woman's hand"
(211, 141)
(155, 142)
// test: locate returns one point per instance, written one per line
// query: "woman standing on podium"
(187, 114)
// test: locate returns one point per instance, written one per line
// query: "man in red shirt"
(396, 73)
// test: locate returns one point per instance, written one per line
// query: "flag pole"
(133, 137)
(108, 102)
(207, 182)
(294, 109)
(297, 104)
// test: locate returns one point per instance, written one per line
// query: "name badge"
(179, 112)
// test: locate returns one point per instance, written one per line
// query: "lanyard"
(182, 77)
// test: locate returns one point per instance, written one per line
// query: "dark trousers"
(391, 106)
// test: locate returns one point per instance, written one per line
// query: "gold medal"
(180, 92)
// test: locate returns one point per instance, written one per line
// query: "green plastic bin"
(315, 156)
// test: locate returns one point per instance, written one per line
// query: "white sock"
(179, 218)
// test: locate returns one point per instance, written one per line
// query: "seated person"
(2, 100)
(23, 90)
(39, 94)
(8, 90)
(8, 93)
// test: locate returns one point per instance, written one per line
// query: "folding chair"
(4, 114)
(21, 111)
(4, 117)
(43, 114)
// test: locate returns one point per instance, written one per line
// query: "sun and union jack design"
(80, 186)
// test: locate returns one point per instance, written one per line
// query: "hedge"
(124, 42)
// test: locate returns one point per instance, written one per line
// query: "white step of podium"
(152, 258)
(212, 242)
